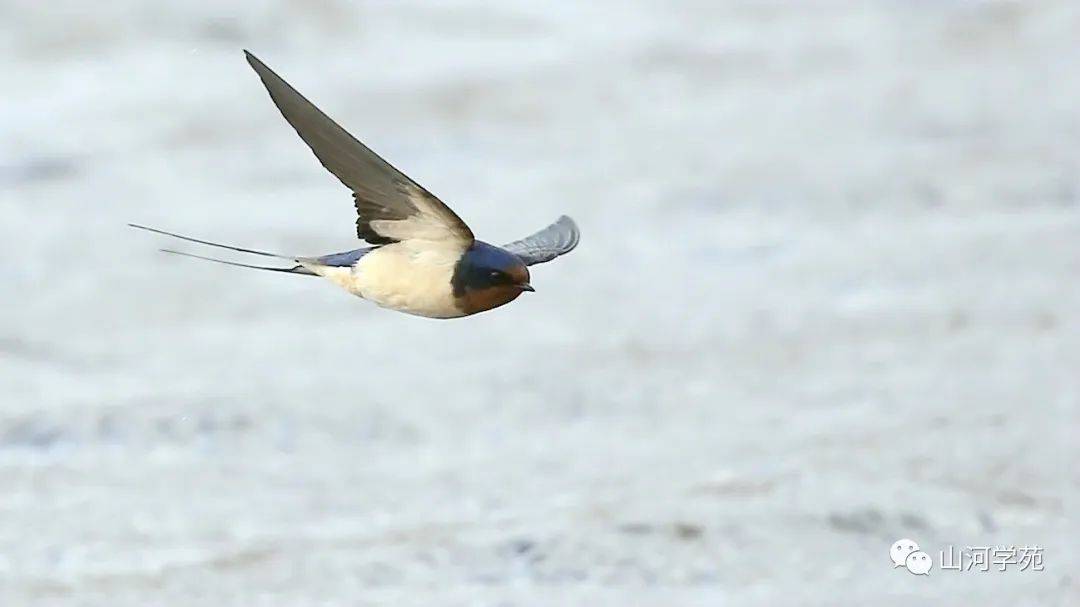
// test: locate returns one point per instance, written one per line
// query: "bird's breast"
(409, 278)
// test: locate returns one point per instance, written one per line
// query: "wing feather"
(390, 206)
(557, 239)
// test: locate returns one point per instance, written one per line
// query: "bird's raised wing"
(390, 206)
(557, 239)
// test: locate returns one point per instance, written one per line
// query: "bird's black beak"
(526, 287)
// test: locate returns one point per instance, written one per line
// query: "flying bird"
(423, 259)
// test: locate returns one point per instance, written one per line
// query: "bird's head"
(487, 277)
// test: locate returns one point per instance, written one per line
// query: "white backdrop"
(826, 297)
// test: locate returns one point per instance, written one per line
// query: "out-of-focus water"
(826, 298)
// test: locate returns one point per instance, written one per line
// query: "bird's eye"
(495, 273)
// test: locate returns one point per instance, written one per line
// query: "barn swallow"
(424, 260)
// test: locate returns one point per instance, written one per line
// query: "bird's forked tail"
(297, 269)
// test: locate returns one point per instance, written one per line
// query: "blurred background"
(826, 298)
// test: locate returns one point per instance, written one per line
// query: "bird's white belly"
(403, 278)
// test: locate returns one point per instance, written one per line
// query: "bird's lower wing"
(557, 239)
